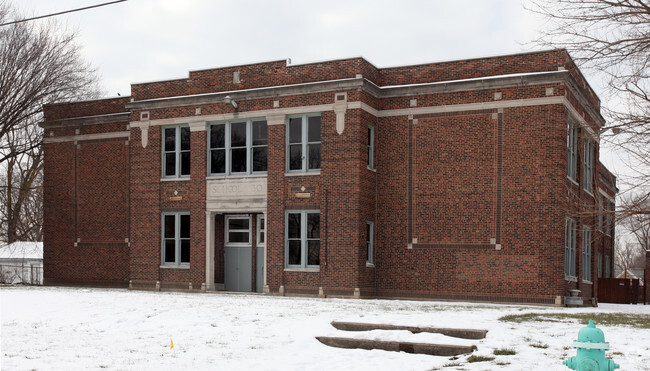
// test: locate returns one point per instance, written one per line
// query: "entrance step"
(453, 332)
(397, 346)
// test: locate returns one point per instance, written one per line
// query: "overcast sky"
(151, 40)
(148, 40)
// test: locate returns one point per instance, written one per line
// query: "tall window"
(588, 165)
(371, 147)
(572, 150)
(601, 212)
(303, 239)
(370, 239)
(586, 253)
(176, 239)
(176, 151)
(600, 265)
(303, 144)
(608, 273)
(609, 217)
(238, 147)
(570, 249)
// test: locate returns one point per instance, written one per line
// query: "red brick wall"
(86, 211)
(474, 178)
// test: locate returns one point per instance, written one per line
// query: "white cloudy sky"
(145, 40)
(150, 40)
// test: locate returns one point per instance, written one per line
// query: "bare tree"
(628, 255)
(40, 63)
(612, 39)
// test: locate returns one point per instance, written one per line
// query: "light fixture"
(228, 99)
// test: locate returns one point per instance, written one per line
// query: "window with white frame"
(238, 147)
(371, 147)
(570, 249)
(601, 212)
(586, 253)
(176, 238)
(261, 230)
(302, 239)
(609, 217)
(370, 240)
(600, 265)
(304, 143)
(572, 150)
(176, 151)
(607, 266)
(238, 230)
(588, 173)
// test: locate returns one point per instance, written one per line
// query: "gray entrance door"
(238, 259)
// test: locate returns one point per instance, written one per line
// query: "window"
(176, 152)
(572, 150)
(238, 230)
(586, 253)
(302, 239)
(609, 218)
(176, 239)
(371, 147)
(601, 212)
(238, 147)
(600, 265)
(303, 144)
(570, 249)
(261, 230)
(588, 165)
(607, 263)
(369, 241)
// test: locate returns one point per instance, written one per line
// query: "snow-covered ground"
(49, 328)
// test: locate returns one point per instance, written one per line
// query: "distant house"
(22, 262)
(631, 273)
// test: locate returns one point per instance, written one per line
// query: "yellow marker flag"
(172, 343)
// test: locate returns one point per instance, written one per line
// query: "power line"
(64, 12)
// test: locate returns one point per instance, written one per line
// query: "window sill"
(236, 176)
(587, 282)
(175, 267)
(374, 170)
(572, 180)
(369, 265)
(589, 193)
(184, 179)
(307, 173)
(570, 279)
(313, 270)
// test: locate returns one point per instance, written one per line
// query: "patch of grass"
(473, 359)
(539, 345)
(606, 319)
(501, 363)
(452, 364)
(504, 352)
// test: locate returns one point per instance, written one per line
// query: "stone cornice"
(87, 120)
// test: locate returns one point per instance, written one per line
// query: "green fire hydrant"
(591, 347)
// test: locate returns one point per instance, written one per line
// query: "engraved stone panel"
(242, 194)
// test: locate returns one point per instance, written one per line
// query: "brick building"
(467, 180)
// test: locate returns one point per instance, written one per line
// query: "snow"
(56, 328)
(22, 250)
